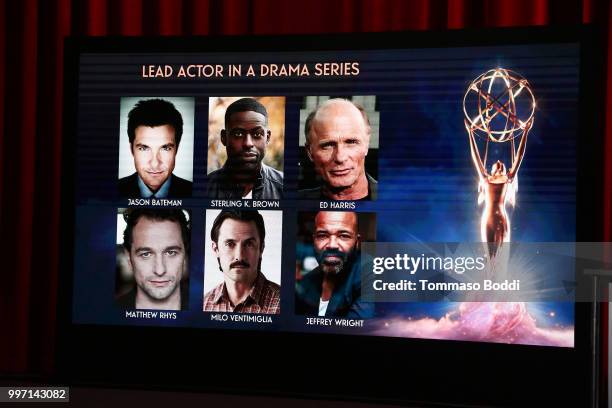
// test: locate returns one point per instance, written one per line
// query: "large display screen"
(370, 192)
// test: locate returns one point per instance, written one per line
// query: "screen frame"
(435, 371)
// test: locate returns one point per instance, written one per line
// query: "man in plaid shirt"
(238, 239)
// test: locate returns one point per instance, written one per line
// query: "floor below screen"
(94, 397)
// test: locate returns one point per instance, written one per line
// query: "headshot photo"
(153, 247)
(328, 263)
(246, 144)
(156, 147)
(338, 148)
(243, 261)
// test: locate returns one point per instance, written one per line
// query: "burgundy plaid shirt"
(264, 298)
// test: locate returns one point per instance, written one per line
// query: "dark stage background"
(31, 83)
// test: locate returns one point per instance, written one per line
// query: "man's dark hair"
(132, 215)
(245, 105)
(152, 113)
(246, 216)
(311, 115)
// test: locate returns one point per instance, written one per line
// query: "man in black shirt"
(245, 137)
(156, 242)
(337, 143)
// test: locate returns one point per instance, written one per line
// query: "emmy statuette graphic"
(499, 108)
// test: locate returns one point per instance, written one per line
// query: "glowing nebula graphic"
(498, 322)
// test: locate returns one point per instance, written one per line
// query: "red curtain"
(31, 48)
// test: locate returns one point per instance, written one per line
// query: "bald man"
(334, 287)
(337, 142)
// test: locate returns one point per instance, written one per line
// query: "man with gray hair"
(337, 142)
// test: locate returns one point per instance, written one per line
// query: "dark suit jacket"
(345, 301)
(179, 188)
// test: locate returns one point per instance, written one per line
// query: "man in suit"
(333, 289)
(155, 128)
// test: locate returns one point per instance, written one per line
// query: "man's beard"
(334, 266)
